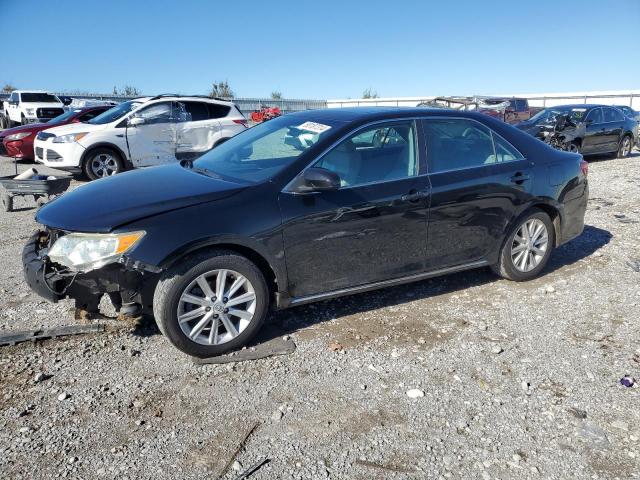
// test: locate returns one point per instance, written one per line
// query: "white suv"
(139, 133)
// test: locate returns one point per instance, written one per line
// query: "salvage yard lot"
(520, 380)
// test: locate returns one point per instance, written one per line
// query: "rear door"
(478, 181)
(199, 133)
(371, 229)
(153, 142)
(594, 136)
(613, 128)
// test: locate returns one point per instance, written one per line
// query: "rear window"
(39, 97)
(217, 111)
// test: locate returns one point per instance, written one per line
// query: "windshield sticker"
(313, 127)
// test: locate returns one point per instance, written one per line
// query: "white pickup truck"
(33, 106)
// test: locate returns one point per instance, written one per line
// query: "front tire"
(527, 248)
(102, 163)
(211, 303)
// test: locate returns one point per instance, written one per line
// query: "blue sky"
(322, 49)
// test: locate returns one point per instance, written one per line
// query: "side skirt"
(295, 301)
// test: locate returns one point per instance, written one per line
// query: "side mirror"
(319, 180)
(135, 121)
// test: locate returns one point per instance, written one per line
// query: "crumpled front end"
(129, 284)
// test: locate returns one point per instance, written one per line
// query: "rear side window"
(218, 111)
(521, 105)
(595, 115)
(198, 110)
(613, 115)
(455, 144)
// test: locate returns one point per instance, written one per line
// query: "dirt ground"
(520, 380)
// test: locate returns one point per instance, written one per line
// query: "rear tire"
(626, 145)
(195, 335)
(102, 163)
(527, 248)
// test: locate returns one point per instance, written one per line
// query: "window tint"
(613, 115)
(377, 154)
(595, 115)
(198, 110)
(217, 111)
(454, 144)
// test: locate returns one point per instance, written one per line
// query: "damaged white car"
(142, 132)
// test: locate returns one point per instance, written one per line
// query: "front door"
(152, 140)
(371, 229)
(477, 181)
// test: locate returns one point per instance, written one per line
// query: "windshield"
(39, 98)
(262, 151)
(63, 117)
(548, 115)
(115, 113)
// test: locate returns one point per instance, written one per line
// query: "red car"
(18, 141)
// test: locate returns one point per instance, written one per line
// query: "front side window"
(454, 144)
(595, 116)
(377, 154)
(156, 113)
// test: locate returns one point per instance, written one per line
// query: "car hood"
(74, 128)
(104, 205)
(23, 128)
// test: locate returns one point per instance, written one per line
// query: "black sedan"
(305, 207)
(591, 129)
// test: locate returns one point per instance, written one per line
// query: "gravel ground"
(512, 380)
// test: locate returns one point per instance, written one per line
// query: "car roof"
(370, 114)
(32, 91)
(167, 96)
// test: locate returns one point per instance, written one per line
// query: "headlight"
(30, 111)
(17, 136)
(72, 137)
(83, 252)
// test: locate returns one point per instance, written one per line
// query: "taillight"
(242, 122)
(584, 167)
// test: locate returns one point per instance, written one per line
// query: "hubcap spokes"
(216, 307)
(104, 165)
(530, 245)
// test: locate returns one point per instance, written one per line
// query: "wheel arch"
(274, 274)
(549, 207)
(95, 146)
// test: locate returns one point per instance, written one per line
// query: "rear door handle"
(519, 178)
(414, 196)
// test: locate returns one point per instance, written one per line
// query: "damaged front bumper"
(129, 284)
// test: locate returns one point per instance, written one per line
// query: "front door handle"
(519, 178)
(414, 196)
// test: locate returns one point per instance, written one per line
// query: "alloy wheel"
(216, 307)
(529, 245)
(626, 147)
(104, 165)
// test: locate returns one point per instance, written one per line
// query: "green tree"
(221, 90)
(276, 95)
(369, 93)
(127, 91)
(8, 88)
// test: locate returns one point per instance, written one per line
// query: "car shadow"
(291, 320)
